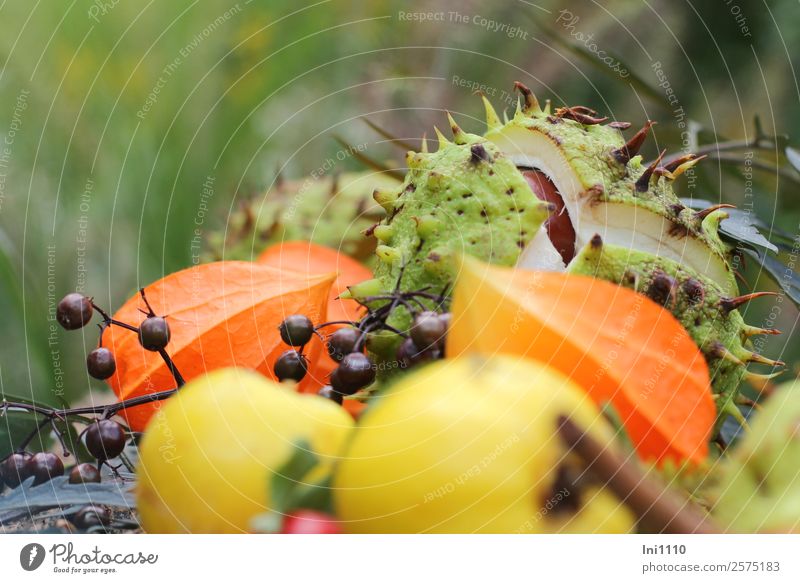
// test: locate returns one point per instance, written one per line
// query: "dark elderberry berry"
(84, 474)
(291, 365)
(74, 311)
(105, 439)
(329, 393)
(15, 469)
(296, 330)
(154, 333)
(428, 329)
(90, 516)
(44, 466)
(409, 354)
(343, 342)
(101, 364)
(355, 372)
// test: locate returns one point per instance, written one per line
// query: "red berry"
(310, 522)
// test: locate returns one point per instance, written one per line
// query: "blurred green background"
(127, 123)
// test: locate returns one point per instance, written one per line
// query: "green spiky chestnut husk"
(466, 198)
(697, 302)
(472, 197)
(331, 210)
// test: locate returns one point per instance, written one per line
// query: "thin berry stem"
(109, 321)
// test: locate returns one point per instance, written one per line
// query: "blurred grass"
(271, 83)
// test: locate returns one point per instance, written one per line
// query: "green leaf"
(290, 490)
(15, 426)
(290, 476)
(314, 496)
(739, 227)
(783, 275)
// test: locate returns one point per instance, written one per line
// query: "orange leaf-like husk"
(621, 347)
(220, 314)
(311, 258)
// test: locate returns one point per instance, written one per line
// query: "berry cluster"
(104, 438)
(346, 346)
